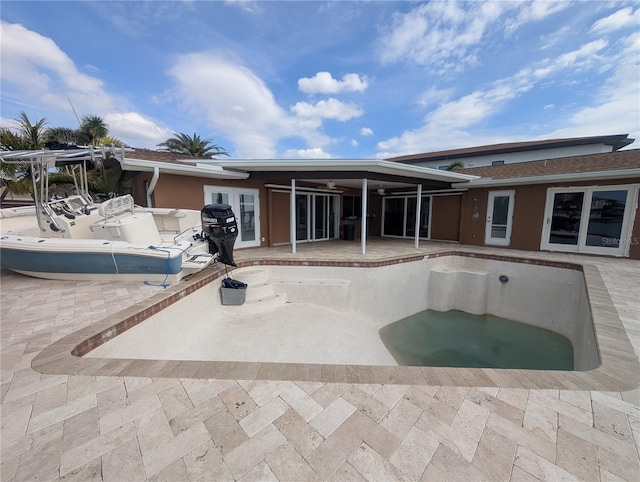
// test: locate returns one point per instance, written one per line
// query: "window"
(497, 163)
(351, 207)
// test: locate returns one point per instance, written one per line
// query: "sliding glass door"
(399, 216)
(316, 216)
(589, 220)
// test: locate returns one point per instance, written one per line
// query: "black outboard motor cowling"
(220, 229)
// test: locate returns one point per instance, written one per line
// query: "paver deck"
(117, 421)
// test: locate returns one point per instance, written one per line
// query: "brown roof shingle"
(608, 161)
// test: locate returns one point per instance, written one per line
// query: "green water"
(457, 339)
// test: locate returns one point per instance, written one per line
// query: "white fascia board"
(575, 177)
(199, 170)
(345, 165)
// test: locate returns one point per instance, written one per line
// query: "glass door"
(499, 218)
(302, 218)
(399, 216)
(247, 200)
(588, 220)
(320, 217)
(246, 206)
(393, 212)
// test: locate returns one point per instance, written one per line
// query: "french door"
(589, 220)
(246, 206)
(499, 218)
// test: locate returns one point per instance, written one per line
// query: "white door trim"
(488, 239)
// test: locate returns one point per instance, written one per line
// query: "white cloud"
(448, 125)
(324, 83)
(366, 131)
(232, 99)
(614, 109)
(440, 34)
(623, 18)
(534, 12)
(314, 153)
(354, 143)
(434, 96)
(136, 129)
(33, 66)
(327, 109)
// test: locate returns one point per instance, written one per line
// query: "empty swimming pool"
(332, 314)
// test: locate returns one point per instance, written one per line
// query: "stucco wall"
(528, 215)
(445, 218)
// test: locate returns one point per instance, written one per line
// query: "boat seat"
(120, 222)
(116, 205)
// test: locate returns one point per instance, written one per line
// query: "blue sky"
(340, 79)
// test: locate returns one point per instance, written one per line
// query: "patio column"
(363, 229)
(292, 217)
(418, 213)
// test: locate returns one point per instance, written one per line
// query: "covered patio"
(366, 176)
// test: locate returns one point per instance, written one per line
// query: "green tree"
(455, 165)
(10, 141)
(111, 141)
(63, 135)
(192, 146)
(93, 129)
(33, 135)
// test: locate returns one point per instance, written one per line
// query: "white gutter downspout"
(292, 217)
(152, 185)
(363, 233)
(418, 213)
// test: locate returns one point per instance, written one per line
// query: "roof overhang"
(345, 168)
(552, 179)
(198, 170)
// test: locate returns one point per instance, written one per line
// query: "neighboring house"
(585, 203)
(508, 153)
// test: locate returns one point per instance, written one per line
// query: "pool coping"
(619, 370)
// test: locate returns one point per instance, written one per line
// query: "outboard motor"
(220, 229)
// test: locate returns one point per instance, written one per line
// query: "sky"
(339, 79)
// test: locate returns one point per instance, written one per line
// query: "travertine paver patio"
(128, 428)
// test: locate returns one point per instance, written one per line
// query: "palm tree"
(10, 141)
(192, 146)
(111, 141)
(93, 128)
(62, 136)
(32, 134)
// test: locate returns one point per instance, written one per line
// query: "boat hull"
(95, 259)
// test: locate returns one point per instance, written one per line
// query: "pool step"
(260, 294)
(251, 276)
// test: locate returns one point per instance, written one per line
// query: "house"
(584, 202)
(508, 153)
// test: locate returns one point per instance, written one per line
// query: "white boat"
(72, 238)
